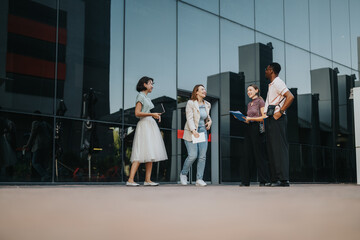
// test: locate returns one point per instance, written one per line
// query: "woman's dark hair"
(256, 88)
(193, 94)
(275, 67)
(140, 85)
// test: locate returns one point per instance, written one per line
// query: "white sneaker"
(183, 179)
(133, 184)
(151, 184)
(200, 183)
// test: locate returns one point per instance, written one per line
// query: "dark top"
(253, 108)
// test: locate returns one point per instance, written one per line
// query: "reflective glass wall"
(68, 69)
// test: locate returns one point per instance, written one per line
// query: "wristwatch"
(281, 111)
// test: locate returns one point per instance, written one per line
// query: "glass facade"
(70, 68)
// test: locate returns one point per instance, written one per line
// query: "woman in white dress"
(148, 145)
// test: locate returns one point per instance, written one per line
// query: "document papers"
(200, 139)
(238, 115)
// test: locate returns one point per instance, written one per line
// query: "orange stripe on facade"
(16, 63)
(34, 29)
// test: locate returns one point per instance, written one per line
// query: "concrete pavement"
(303, 211)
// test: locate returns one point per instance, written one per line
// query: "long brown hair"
(256, 88)
(193, 94)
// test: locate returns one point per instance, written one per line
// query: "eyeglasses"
(267, 68)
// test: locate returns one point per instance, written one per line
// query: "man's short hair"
(275, 67)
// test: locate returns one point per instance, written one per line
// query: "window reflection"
(355, 33)
(150, 41)
(198, 33)
(240, 11)
(340, 32)
(320, 31)
(297, 23)
(298, 69)
(27, 58)
(209, 5)
(270, 17)
(87, 151)
(26, 146)
(278, 51)
(233, 36)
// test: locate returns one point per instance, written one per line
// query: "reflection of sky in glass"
(269, 17)
(342, 70)
(209, 5)
(278, 51)
(150, 43)
(355, 32)
(297, 23)
(116, 53)
(198, 51)
(320, 32)
(298, 69)
(241, 11)
(233, 36)
(340, 31)
(319, 62)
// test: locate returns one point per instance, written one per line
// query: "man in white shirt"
(276, 126)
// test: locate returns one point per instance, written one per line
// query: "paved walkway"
(303, 211)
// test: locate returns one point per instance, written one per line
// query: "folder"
(200, 139)
(238, 115)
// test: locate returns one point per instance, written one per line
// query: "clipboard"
(200, 139)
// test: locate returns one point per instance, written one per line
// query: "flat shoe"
(132, 184)
(151, 184)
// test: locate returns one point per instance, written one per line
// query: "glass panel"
(301, 166)
(88, 151)
(232, 155)
(198, 33)
(151, 51)
(209, 5)
(319, 62)
(27, 55)
(297, 23)
(116, 57)
(270, 17)
(340, 32)
(278, 52)
(240, 11)
(355, 33)
(85, 89)
(163, 171)
(33, 163)
(233, 36)
(320, 31)
(298, 69)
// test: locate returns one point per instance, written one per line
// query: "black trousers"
(254, 148)
(277, 148)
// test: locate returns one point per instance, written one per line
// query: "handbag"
(271, 108)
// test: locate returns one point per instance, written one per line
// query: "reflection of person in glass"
(276, 126)
(40, 142)
(254, 139)
(148, 145)
(197, 121)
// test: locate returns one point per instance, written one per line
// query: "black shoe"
(244, 185)
(281, 184)
(267, 184)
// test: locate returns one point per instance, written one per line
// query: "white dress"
(148, 145)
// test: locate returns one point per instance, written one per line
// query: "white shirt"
(276, 91)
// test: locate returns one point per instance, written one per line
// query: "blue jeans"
(196, 151)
